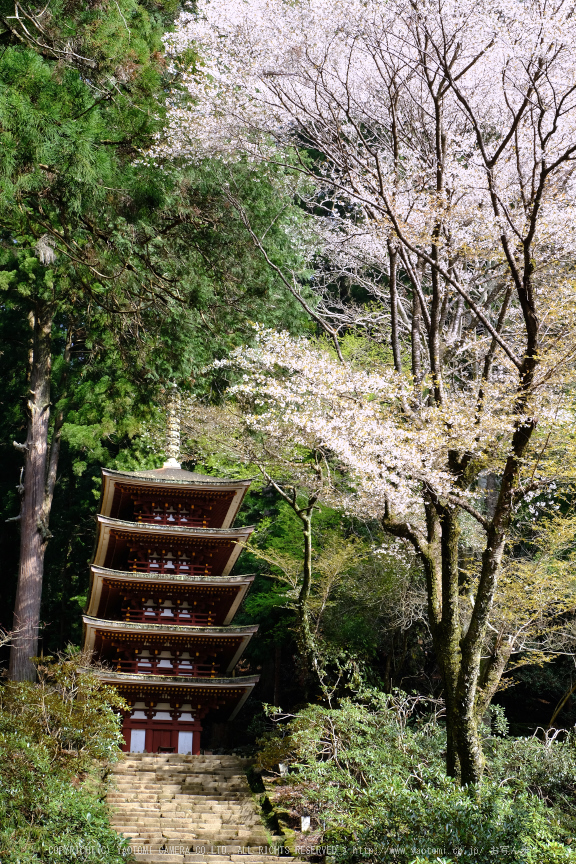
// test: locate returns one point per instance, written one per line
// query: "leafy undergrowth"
(55, 736)
(371, 775)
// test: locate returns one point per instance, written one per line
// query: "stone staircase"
(186, 809)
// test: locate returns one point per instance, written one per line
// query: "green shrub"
(493, 826)
(371, 774)
(53, 738)
(69, 711)
(48, 814)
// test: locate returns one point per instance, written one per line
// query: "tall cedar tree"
(99, 251)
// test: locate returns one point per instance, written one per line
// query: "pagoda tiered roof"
(229, 641)
(169, 578)
(162, 599)
(177, 475)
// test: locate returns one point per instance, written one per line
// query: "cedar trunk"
(33, 518)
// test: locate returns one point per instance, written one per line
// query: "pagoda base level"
(154, 737)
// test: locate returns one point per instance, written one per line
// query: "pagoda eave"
(132, 684)
(175, 478)
(167, 530)
(160, 629)
(103, 579)
(169, 578)
(113, 677)
(231, 639)
(226, 543)
(176, 475)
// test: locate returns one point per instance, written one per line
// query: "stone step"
(166, 858)
(178, 811)
(155, 761)
(188, 809)
(160, 858)
(250, 825)
(233, 800)
(187, 826)
(217, 856)
(156, 844)
(224, 777)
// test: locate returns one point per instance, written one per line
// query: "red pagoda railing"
(171, 519)
(162, 616)
(171, 566)
(170, 514)
(155, 666)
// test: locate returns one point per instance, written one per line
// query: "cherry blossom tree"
(437, 140)
(399, 468)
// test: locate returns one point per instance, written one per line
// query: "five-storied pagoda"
(162, 600)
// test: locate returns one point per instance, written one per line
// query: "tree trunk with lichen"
(470, 680)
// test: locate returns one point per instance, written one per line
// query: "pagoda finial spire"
(173, 430)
